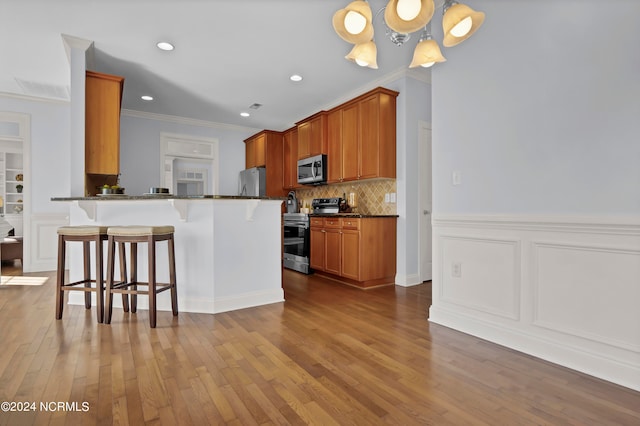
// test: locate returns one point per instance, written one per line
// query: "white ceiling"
(229, 54)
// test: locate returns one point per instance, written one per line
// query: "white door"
(424, 144)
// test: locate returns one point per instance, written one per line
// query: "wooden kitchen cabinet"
(103, 97)
(290, 159)
(312, 135)
(362, 137)
(357, 251)
(317, 244)
(255, 151)
(265, 149)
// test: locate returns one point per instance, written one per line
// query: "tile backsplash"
(369, 194)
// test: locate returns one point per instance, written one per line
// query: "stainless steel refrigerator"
(251, 182)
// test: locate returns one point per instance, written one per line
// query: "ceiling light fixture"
(295, 77)
(245, 114)
(163, 45)
(354, 24)
(146, 98)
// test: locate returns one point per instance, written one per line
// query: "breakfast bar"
(227, 248)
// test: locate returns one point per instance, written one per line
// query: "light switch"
(392, 197)
(386, 198)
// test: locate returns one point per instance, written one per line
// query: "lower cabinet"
(359, 251)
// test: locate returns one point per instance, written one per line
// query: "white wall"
(140, 149)
(541, 119)
(413, 106)
(542, 116)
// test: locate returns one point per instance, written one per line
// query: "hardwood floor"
(330, 354)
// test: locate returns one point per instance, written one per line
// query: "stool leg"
(111, 245)
(99, 281)
(60, 277)
(152, 281)
(123, 273)
(172, 276)
(86, 257)
(134, 275)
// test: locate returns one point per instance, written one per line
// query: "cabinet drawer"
(317, 222)
(330, 222)
(350, 223)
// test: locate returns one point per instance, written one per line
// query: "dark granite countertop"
(121, 197)
(352, 215)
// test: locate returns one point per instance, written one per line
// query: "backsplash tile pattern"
(370, 194)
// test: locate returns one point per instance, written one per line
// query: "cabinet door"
(316, 261)
(318, 139)
(103, 95)
(369, 137)
(350, 155)
(304, 140)
(333, 258)
(249, 153)
(334, 146)
(351, 254)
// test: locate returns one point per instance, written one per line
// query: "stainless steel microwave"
(313, 170)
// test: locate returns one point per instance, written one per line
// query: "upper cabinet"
(103, 97)
(312, 135)
(255, 151)
(362, 137)
(290, 159)
(265, 149)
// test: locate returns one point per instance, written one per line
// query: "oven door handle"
(296, 225)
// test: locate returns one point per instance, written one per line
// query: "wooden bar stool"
(134, 235)
(86, 235)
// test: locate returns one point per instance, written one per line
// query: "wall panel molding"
(44, 240)
(574, 282)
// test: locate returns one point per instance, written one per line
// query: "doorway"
(425, 203)
(15, 187)
(189, 164)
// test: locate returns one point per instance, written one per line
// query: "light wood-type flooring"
(330, 354)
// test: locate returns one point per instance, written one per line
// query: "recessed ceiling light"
(296, 77)
(245, 114)
(163, 45)
(146, 98)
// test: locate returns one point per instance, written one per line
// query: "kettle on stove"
(292, 202)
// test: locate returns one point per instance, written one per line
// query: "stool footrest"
(123, 288)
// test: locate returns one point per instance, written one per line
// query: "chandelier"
(354, 24)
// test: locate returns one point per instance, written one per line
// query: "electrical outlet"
(456, 177)
(386, 198)
(392, 197)
(456, 269)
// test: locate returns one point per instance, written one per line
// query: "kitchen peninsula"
(228, 248)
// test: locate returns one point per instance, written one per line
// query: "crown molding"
(33, 98)
(187, 121)
(394, 75)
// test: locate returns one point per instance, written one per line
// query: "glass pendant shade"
(407, 8)
(364, 54)
(459, 23)
(426, 54)
(354, 23)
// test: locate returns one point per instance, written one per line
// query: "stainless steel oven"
(296, 242)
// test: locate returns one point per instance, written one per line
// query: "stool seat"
(139, 231)
(83, 230)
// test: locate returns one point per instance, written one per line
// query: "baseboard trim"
(591, 363)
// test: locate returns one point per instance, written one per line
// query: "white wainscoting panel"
(43, 244)
(482, 274)
(565, 289)
(601, 276)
